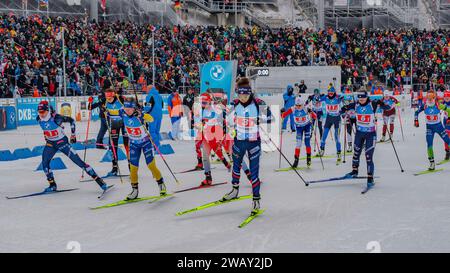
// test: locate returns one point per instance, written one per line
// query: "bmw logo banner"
(219, 76)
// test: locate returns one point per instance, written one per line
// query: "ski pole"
(345, 136)
(401, 124)
(285, 158)
(87, 135)
(395, 151)
(315, 134)
(317, 145)
(281, 148)
(111, 143)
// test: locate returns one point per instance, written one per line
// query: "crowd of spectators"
(99, 55)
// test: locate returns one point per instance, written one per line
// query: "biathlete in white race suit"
(139, 137)
(366, 134)
(432, 110)
(56, 140)
(245, 119)
(303, 116)
(389, 114)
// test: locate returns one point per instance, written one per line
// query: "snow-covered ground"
(402, 213)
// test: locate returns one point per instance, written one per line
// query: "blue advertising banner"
(11, 122)
(218, 75)
(27, 109)
(164, 97)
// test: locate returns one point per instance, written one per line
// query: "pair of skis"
(291, 169)
(154, 198)
(345, 177)
(196, 169)
(433, 171)
(247, 220)
(106, 177)
(54, 192)
(125, 201)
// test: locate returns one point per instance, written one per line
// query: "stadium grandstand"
(136, 43)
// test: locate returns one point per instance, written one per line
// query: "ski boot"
(339, 159)
(383, 138)
(349, 147)
(233, 194)
(101, 183)
(207, 181)
(134, 192)
(308, 160)
(321, 152)
(295, 164)
(432, 165)
(52, 187)
(113, 172)
(162, 187)
(352, 174)
(447, 155)
(370, 182)
(256, 205)
(199, 165)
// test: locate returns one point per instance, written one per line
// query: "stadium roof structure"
(370, 13)
(135, 10)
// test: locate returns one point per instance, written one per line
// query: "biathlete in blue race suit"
(366, 134)
(140, 141)
(51, 124)
(317, 107)
(303, 117)
(333, 104)
(432, 110)
(245, 121)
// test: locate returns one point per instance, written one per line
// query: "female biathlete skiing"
(333, 104)
(366, 134)
(302, 119)
(210, 131)
(112, 106)
(432, 110)
(140, 141)
(56, 140)
(350, 122)
(389, 114)
(246, 119)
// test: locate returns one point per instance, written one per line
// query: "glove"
(233, 133)
(416, 123)
(73, 139)
(136, 113)
(313, 115)
(91, 99)
(148, 118)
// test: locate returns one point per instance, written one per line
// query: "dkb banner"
(27, 109)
